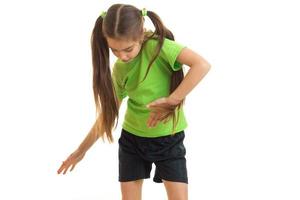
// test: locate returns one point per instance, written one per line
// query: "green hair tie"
(144, 12)
(103, 14)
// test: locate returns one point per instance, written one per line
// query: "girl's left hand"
(161, 110)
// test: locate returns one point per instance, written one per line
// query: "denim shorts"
(137, 154)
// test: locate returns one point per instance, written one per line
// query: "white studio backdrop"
(243, 136)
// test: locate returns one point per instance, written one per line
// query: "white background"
(243, 136)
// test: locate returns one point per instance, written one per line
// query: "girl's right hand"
(72, 160)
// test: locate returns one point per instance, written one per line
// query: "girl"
(149, 71)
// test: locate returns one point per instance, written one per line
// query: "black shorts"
(136, 155)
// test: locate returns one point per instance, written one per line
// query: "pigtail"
(104, 95)
(160, 33)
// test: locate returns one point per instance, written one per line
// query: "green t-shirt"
(156, 85)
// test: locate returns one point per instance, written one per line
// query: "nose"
(123, 56)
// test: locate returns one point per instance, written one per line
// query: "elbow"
(203, 69)
(206, 66)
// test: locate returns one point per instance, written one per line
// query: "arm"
(198, 69)
(79, 153)
(93, 135)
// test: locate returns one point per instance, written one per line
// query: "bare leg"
(176, 190)
(132, 190)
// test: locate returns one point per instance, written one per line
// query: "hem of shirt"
(142, 133)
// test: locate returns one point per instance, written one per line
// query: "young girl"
(149, 71)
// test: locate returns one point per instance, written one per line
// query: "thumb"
(156, 102)
(150, 104)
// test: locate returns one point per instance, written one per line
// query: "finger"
(157, 102)
(154, 121)
(166, 120)
(150, 104)
(153, 103)
(66, 168)
(159, 118)
(149, 124)
(73, 166)
(163, 117)
(61, 168)
(160, 101)
(161, 109)
(158, 113)
(150, 119)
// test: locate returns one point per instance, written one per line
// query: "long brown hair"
(123, 22)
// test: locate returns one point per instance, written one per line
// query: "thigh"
(131, 166)
(132, 190)
(176, 190)
(172, 166)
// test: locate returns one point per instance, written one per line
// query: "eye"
(128, 50)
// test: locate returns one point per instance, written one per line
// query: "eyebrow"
(122, 49)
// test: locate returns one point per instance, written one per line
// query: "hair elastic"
(103, 14)
(144, 12)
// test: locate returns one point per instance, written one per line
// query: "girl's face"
(124, 49)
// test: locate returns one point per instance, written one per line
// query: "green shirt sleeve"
(119, 88)
(170, 51)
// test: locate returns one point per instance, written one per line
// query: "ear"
(142, 39)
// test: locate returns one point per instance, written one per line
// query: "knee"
(176, 190)
(131, 190)
(178, 198)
